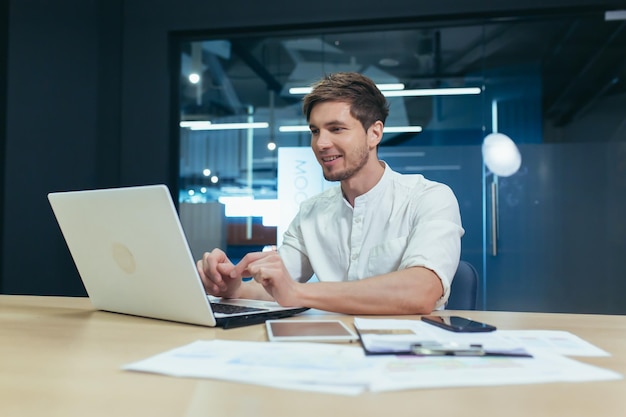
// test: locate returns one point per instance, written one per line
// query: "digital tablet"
(309, 331)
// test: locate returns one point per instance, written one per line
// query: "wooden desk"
(59, 357)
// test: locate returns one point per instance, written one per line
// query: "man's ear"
(375, 133)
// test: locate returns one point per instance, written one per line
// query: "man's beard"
(363, 154)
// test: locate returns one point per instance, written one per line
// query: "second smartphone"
(458, 324)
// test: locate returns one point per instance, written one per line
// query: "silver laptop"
(133, 258)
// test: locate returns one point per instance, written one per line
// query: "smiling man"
(379, 243)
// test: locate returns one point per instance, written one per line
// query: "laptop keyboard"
(232, 309)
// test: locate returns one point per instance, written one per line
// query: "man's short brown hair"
(367, 103)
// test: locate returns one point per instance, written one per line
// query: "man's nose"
(323, 140)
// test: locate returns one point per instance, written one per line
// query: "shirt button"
(357, 220)
(355, 256)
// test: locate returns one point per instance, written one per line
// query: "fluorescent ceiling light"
(615, 15)
(300, 128)
(387, 129)
(388, 87)
(402, 129)
(434, 92)
(194, 123)
(397, 90)
(300, 90)
(206, 125)
(381, 87)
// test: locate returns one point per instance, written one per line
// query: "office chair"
(464, 289)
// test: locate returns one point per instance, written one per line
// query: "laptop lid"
(133, 258)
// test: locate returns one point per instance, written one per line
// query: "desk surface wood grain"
(60, 357)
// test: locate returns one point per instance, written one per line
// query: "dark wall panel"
(4, 38)
(51, 130)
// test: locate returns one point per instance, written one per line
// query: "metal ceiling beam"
(257, 67)
(577, 80)
(214, 67)
(476, 51)
(577, 112)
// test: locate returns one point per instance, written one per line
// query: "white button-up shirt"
(404, 221)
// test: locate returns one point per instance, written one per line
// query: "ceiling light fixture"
(206, 125)
(382, 87)
(386, 129)
(194, 78)
(402, 129)
(615, 15)
(458, 91)
(296, 128)
(397, 90)
(389, 62)
(501, 154)
(191, 124)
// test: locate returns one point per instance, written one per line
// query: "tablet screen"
(309, 331)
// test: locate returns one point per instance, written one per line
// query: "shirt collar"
(378, 189)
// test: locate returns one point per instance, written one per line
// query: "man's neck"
(364, 181)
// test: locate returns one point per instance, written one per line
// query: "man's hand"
(268, 269)
(215, 271)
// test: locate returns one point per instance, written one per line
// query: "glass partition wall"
(523, 118)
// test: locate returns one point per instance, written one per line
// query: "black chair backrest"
(464, 289)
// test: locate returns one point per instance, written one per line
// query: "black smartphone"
(458, 324)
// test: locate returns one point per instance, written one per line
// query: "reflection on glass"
(557, 81)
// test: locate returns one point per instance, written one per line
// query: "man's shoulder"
(419, 189)
(413, 181)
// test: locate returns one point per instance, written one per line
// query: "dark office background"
(86, 102)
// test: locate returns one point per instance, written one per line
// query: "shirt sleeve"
(434, 241)
(293, 252)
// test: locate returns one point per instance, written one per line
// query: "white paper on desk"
(331, 368)
(346, 370)
(410, 372)
(555, 341)
(390, 338)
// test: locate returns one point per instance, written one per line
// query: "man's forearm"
(411, 291)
